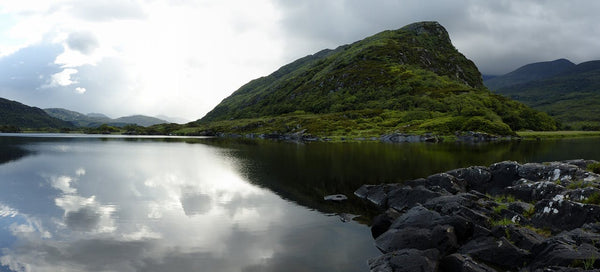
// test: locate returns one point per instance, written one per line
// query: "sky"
(180, 58)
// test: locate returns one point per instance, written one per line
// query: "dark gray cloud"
(498, 36)
(196, 203)
(84, 219)
(84, 42)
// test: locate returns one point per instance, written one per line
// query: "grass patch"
(502, 222)
(534, 135)
(594, 167)
(502, 198)
(592, 199)
(543, 232)
(529, 213)
(579, 184)
(498, 209)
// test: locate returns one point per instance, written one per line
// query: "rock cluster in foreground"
(505, 217)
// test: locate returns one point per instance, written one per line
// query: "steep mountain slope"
(572, 96)
(530, 72)
(408, 80)
(97, 119)
(15, 114)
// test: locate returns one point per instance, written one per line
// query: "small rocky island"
(505, 217)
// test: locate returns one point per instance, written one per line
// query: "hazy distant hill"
(409, 80)
(140, 120)
(529, 72)
(572, 96)
(97, 115)
(176, 120)
(97, 119)
(15, 114)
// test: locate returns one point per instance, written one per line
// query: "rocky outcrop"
(505, 217)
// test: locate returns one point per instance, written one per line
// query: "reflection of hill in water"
(9, 152)
(305, 173)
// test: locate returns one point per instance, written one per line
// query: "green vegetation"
(571, 96)
(594, 167)
(529, 212)
(498, 209)
(502, 198)
(502, 222)
(592, 199)
(16, 117)
(543, 232)
(579, 184)
(103, 129)
(557, 134)
(9, 129)
(410, 80)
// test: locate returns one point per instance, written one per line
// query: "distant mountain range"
(569, 92)
(15, 115)
(97, 119)
(529, 72)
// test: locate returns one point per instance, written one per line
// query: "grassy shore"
(557, 134)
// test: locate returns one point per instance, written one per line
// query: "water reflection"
(89, 205)
(86, 204)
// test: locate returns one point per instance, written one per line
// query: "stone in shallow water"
(337, 197)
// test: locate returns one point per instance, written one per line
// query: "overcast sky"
(182, 57)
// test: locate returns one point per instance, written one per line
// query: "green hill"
(529, 72)
(572, 97)
(97, 119)
(408, 80)
(15, 116)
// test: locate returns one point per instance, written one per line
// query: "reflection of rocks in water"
(195, 203)
(84, 219)
(345, 217)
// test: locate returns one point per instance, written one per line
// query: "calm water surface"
(168, 204)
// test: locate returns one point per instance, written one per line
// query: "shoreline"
(505, 217)
(466, 137)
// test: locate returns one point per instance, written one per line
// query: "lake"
(106, 203)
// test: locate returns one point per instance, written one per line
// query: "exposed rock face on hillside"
(506, 217)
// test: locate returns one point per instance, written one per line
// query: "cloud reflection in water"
(153, 206)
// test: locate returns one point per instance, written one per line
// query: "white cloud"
(80, 90)
(63, 183)
(61, 79)
(181, 58)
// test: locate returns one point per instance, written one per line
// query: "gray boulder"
(503, 175)
(534, 191)
(406, 260)
(497, 252)
(560, 214)
(561, 251)
(440, 237)
(476, 177)
(406, 196)
(462, 263)
(443, 180)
